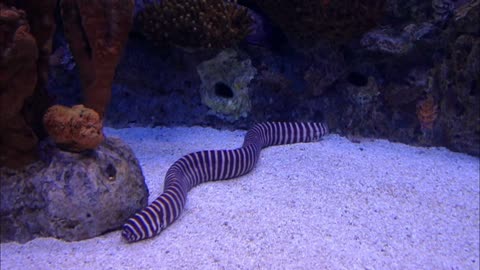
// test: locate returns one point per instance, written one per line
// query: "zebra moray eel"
(203, 166)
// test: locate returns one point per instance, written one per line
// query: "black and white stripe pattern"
(203, 166)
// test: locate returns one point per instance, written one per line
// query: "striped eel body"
(203, 166)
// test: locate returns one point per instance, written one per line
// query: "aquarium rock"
(71, 196)
(386, 41)
(466, 17)
(225, 81)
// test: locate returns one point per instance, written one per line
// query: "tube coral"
(97, 31)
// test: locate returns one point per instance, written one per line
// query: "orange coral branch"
(97, 32)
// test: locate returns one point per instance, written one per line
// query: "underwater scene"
(229, 134)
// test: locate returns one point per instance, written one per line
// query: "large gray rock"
(71, 196)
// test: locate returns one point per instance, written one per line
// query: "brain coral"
(74, 129)
(305, 21)
(195, 23)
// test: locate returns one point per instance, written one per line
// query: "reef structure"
(195, 24)
(306, 22)
(97, 31)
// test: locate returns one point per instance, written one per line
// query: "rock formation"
(225, 80)
(71, 196)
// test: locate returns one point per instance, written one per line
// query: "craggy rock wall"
(413, 78)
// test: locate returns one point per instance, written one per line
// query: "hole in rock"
(223, 90)
(357, 79)
(111, 172)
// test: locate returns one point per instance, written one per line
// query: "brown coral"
(18, 77)
(41, 18)
(74, 129)
(305, 22)
(42, 26)
(196, 24)
(427, 113)
(97, 32)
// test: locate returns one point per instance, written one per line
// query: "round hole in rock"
(357, 79)
(111, 172)
(223, 90)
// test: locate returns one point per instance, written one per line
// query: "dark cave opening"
(357, 79)
(223, 90)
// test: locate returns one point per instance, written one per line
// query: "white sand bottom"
(332, 204)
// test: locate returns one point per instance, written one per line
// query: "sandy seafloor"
(332, 204)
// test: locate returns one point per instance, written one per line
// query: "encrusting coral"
(305, 22)
(196, 24)
(18, 77)
(97, 32)
(75, 129)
